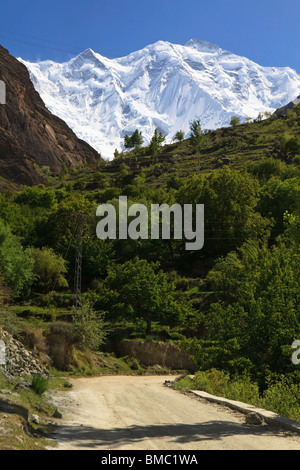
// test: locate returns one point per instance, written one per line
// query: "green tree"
(49, 268)
(179, 136)
(230, 198)
(137, 138)
(90, 326)
(196, 137)
(174, 181)
(156, 142)
(36, 196)
(128, 142)
(134, 141)
(258, 297)
(289, 146)
(59, 228)
(292, 231)
(278, 196)
(235, 121)
(16, 264)
(143, 291)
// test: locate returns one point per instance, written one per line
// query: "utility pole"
(78, 259)
(78, 266)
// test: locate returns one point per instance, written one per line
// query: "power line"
(38, 39)
(38, 45)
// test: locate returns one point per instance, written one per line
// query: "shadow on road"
(85, 436)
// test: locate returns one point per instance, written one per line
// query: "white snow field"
(163, 86)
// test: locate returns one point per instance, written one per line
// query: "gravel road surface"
(140, 413)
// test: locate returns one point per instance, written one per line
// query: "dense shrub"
(281, 396)
(89, 326)
(39, 384)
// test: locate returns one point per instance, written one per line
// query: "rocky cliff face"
(30, 135)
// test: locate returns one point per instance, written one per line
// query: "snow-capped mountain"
(163, 86)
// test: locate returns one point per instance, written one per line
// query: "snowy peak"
(88, 54)
(203, 46)
(87, 57)
(163, 86)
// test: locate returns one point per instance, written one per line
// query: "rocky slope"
(18, 360)
(30, 135)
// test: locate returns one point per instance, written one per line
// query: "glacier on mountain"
(163, 86)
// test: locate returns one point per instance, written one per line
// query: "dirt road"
(139, 413)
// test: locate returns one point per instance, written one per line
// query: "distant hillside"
(272, 142)
(30, 135)
(236, 147)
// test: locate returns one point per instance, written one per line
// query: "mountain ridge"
(30, 135)
(162, 86)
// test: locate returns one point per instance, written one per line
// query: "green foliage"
(243, 389)
(289, 146)
(282, 397)
(212, 381)
(174, 181)
(39, 384)
(36, 196)
(258, 303)
(16, 264)
(220, 383)
(135, 140)
(144, 291)
(49, 269)
(230, 199)
(292, 231)
(278, 196)
(266, 168)
(234, 305)
(184, 384)
(296, 160)
(179, 136)
(89, 326)
(156, 142)
(196, 137)
(235, 121)
(10, 322)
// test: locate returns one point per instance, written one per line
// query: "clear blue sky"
(266, 31)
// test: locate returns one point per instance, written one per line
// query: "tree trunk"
(148, 328)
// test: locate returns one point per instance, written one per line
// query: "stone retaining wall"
(150, 353)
